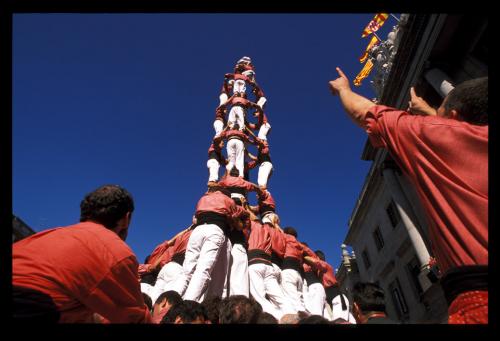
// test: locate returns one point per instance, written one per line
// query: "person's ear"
(178, 320)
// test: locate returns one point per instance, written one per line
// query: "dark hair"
(237, 201)
(304, 243)
(211, 305)
(150, 277)
(239, 309)
(171, 296)
(314, 319)
(266, 318)
(290, 230)
(188, 311)
(369, 297)
(470, 100)
(236, 126)
(320, 254)
(234, 171)
(106, 205)
(147, 301)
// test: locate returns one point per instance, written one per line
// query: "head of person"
(291, 231)
(289, 319)
(234, 172)
(164, 303)
(367, 297)
(235, 126)
(239, 309)
(110, 206)
(271, 218)
(186, 312)
(211, 305)
(320, 254)
(314, 319)
(468, 102)
(266, 318)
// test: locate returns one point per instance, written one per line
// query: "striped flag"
(363, 73)
(372, 43)
(375, 24)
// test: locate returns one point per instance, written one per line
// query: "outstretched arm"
(355, 105)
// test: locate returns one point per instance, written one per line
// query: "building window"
(366, 258)
(379, 240)
(393, 214)
(413, 271)
(399, 300)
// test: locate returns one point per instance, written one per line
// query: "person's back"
(66, 274)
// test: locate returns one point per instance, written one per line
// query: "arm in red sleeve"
(117, 297)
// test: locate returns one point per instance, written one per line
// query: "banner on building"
(375, 24)
(363, 73)
(374, 41)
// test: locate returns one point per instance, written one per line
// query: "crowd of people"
(235, 263)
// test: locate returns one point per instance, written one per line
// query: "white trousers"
(239, 282)
(265, 169)
(218, 126)
(207, 257)
(236, 155)
(166, 277)
(315, 299)
(222, 98)
(213, 169)
(264, 129)
(261, 102)
(147, 289)
(236, 115)
(239, 86)
(337, 311)
(292, 285)
(266, 290)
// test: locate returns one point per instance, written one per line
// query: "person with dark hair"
(67, 274)
(335, 298)
(235, 146)
(164, 303)
(239, 309)
(186, 312)
(264, 284)
(314, 295)
(266, 318)
(445, 156)
(215, 160)
(314, 319)
(211, 305)
(264, 161)
(369, 304)
(147, 301)
(207, 254)
(291, 273)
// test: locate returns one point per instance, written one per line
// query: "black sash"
(213, 218)
(465, 278)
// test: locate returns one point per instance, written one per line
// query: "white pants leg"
(239, 283)
(264, 129)
(338, 312)
(275, 292)
(222, 98)
(239, 86)
(277, 270)
(213, 169)
(291, 282)
(204, 246)
(166, 277)
(236, 155)
(265, 169)
(327, 311)
(236, 115)
(305, 293)
(218, 126)
(258, 274)
(146, 289)
(315, 299)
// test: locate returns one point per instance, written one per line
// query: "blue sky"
(129, 99)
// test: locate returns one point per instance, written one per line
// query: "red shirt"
(179, 246)
(158, 252)
(266, 202)
(84, 268)
(327, 276)
(278, 243)
(260, 238)
(236, 181)
(235, 133)
(447, 161)
(220, 203)
(293, 248)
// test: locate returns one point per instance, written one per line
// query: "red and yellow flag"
(363, 73)
(372, 43)
(375, 24)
